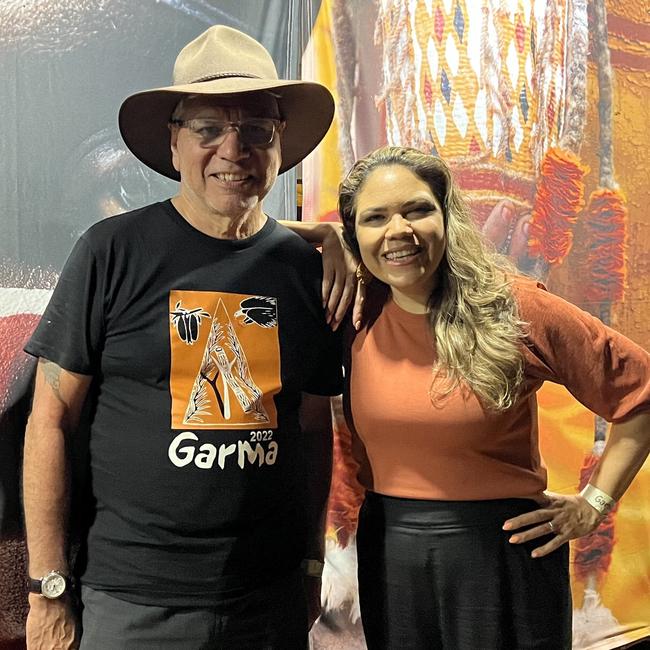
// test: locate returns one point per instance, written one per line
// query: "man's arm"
(316, 426)
(58, 399)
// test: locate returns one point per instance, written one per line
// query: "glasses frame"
(229, 125)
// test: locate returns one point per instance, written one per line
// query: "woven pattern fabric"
(481, 84)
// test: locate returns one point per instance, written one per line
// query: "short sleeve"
(70, 332)
(604, 370)
(327, 378)
(325, 374)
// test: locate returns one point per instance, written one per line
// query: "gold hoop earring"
(363, 275)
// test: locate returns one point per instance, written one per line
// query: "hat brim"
(307, 108)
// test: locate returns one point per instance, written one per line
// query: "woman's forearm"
(627, 448)
(315, 232)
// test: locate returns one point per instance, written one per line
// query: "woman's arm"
(607, 373)
(315, 232)
(628, 446)
(339, 268)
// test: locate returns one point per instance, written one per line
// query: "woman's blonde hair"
(473, 311)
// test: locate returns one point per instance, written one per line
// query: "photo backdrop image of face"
(68, 65)
(64, 166)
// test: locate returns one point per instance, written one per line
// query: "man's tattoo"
(52, 374)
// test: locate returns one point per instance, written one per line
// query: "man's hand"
(564, 517)
(51, 624)
(312, 594)
(58, 398)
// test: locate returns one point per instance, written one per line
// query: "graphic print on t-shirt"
(225, 360)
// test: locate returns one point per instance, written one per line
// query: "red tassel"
(605, 219)
(558, 201)
(593, 552)
(587, 469)
(346, 494)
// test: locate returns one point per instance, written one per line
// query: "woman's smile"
(401, 234)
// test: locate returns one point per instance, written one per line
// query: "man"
(193, 331)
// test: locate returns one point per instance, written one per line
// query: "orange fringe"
(593, 552)
(558, 201)
(605, 219)
(346, 494)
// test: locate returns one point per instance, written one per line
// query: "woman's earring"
(363, 275)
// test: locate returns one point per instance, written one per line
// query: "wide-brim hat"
(225, 61)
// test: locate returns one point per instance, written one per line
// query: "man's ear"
(173, 143)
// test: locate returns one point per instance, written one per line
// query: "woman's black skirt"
(442, 574)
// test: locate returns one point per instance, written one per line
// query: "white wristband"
(598, 499)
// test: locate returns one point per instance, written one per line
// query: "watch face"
(53, 585)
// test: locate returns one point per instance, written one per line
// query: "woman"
(458, 544)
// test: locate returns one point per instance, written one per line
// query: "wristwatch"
(312, 568)
(53, 585)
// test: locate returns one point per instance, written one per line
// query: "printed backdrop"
(66, 67)
(505, 89)
(540, 107)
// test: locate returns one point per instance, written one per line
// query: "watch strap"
(312, 568)
(35, 585)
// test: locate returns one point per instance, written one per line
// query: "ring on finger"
(550, 525)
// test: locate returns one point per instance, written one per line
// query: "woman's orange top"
(459, 450)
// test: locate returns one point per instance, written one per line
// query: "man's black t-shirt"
(199, 350)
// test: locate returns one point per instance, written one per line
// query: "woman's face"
(400, 230)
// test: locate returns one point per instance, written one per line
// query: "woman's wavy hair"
(473, 311)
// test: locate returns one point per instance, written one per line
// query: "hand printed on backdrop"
(503, 91)
(508, 229)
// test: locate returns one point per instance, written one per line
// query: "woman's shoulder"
(525, 287)
(534, 300)
(554, 326)
(550, 320)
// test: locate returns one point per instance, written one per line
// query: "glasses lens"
(209, 131)
(254, 132)
(257, 131)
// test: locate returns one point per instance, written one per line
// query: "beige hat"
(223, 61)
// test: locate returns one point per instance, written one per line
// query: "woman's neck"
(414, 304)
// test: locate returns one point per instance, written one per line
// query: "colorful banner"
(540, 109)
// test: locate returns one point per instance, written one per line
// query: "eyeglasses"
(254, 132)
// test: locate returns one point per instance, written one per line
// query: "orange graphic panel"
(225, 360)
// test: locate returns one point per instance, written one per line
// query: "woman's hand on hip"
(563, 516)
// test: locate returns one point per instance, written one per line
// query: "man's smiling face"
(230, 178)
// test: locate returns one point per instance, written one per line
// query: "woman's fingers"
(528, 519)
(339, 280)
(328, 280)
(566, 518)
(357, 309)
(336, 290)
(550, 546)
(344, 300)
